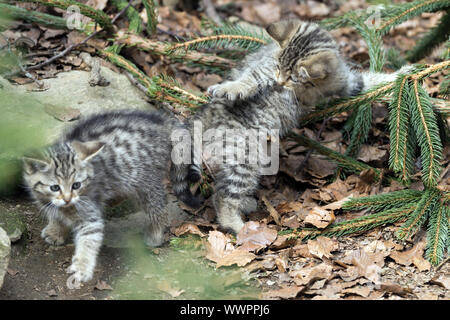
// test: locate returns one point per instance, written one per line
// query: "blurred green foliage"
(21, 129)
(21, 123)
(179, 272)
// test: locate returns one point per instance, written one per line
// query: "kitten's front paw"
(81, 272)
(53, 235)
(228, 90)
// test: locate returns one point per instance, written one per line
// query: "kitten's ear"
(320, 65)
(87, 150)
(31, 165)
(281, 31)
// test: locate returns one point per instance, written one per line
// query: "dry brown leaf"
(395, 288)
(255, 236)
(412, 256)
(102, 285)
(320, 168)
(286, 207)
(442, 280)
(188, 228)
(307, 276)
(217, 246)
(322, 246)
(283, 293)
(272, 211)
(367, 265)
(291, 222)
(371, 153)
(337, 204)
(282, 242)
(239, 257)
(320, 218)
(360, 290)
(166, 287)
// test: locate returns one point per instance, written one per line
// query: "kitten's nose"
(67, 198)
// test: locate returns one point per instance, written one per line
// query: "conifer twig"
(161, 48)
(44, 19)
(187, 44)
(99, 16)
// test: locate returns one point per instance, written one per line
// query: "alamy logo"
(227, 146)
(73, 19)
(374, 19)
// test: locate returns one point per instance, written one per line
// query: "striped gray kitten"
(272, 89)
(109, 155)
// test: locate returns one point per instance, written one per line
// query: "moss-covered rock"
(13, 223)
(5, 249)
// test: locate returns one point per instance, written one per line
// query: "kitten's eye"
(54, 188)
(76, 185)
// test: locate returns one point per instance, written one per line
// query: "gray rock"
(13, 223)
(5, 249)
(70, 93)
(36, 118)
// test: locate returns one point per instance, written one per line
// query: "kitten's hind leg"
(55, 233)
(154, 202)
(234, 187)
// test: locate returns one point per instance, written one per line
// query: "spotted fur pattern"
(272, 89)
(109, 155)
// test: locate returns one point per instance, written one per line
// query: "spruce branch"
(427, 133)
(227, 37)
(384, 201)
(437, 233)
(44, 19)
(344, 161)
(351, 103)
(152, 17)
(99, 16)
(162, 48)
(360, 129)
(360, 224)
(135, 22)
(402, 140)
(437, 35)
(404, 12)
(426, 204)
(347, 104)
(158, 88)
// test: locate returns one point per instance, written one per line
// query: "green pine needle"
(425, 206)
(437, 233)
(384, 201)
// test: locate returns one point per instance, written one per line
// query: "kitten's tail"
(181, 175)
(374, 79)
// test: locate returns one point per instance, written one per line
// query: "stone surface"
(70, 93)
(5, 249)
(13, 224)
(31, 119)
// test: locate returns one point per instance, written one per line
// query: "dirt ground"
(36, 272)
(36, 269)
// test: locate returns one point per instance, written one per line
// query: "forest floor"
(199, 260)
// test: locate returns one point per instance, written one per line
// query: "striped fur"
(272, 89)
(123, 153)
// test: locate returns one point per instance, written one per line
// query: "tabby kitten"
(272, 89)
(122, 153)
